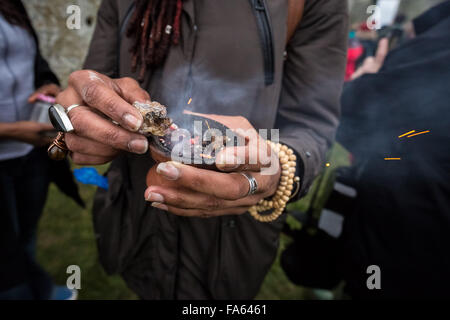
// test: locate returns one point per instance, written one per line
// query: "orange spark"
(190, 100)
(416, 134)
(392, 159)
(405, 134)
(327, 164)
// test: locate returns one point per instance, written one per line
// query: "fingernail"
(155, 197)
(132, 122)
(139, 146)
(226, 161)
(169, 171)
(160, 206)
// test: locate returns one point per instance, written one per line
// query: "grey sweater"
(17, 59)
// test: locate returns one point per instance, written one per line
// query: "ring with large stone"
(58, 149)
(253, 184)
(59, 118)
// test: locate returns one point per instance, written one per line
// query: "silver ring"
(253, 184)
(71, 108)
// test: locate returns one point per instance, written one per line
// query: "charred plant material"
(156, 121)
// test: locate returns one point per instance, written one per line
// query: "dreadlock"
(155, 25)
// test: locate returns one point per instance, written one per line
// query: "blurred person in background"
(24, 166)
(393, 214)
(398, 107)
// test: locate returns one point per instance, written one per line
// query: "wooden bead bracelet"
(284, 193)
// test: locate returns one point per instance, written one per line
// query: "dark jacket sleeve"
(309, 108)
(103, 51)
(42, 73)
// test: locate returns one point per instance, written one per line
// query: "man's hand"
(27, 131)
(188, 191)
(96, 139)
(49, 90)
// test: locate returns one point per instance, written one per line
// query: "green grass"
(66, 237)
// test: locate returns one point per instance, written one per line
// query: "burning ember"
(199, 142)
(196, 144)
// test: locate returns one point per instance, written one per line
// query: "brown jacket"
(227, 65)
